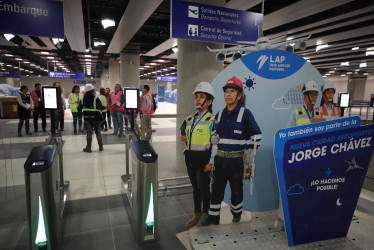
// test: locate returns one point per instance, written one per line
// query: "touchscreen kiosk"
(344, 99)
(131, 98)
(51, 97)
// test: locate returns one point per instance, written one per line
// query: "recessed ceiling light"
(32, 64)
(370, 48)
(146, 66)
(322, 46)
(349, 73)
(8, 55)
(324, 76)
(8, 36)
(344, 64)
(50, 57)
(327, 74)
(98, 43)
(18, 59)
(107, 23)
(365, 74)
(160, 60)
(26, 62)
(172, 67)
(331, 71)
(141, 68)
(355, 48)
(343, 75)
(164, 69)
(362, 65)
(159, 71)
(87, 55)
(45, 53)
(175, 50)
(87, 60)
(152, 63)
(369, 53)
(357, 69)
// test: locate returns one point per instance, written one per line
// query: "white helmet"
(309, 86)
(204, 87)
(328, 85)
(88, 87)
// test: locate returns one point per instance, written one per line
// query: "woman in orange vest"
(327, 109)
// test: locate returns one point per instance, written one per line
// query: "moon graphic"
(338, 202)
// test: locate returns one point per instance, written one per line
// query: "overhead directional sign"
(321, 169)
(66, 75)
(166, 79)
(209, 23)
(35, 18)
(11, 74)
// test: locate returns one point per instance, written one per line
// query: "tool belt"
(228, 154)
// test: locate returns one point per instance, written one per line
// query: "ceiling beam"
(74, 27)
(136, 14)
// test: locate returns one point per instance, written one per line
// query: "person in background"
(91, 109)
(104, 111)
(62, 120)
(116, 101)
(38, 108)
(147, 109)
(198, 151)
(107, 95)
(327, 109)
(305, 114)
(75, 98)
(24, 108)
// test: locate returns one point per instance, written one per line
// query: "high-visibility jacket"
(145, 109)
(199, 138)
(117, 98)
(302, 117)
(103, 102)
(335, 113)
(74, 97)
(36, 99)
(92, 113)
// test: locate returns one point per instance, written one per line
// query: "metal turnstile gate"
(46, 194)
(139, 190)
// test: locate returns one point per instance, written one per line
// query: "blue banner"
(209, 23)
(66, 75)
(35, 18)
(321, 169)
(166, 79)
(11, 74)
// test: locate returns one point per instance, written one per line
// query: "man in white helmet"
(196, 132)
(327, 109)
(305, 114)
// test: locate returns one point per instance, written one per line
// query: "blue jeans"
(77, 116)
(58, 116)
(117, 120)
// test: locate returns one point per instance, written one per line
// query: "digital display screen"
(50, 98)
(344, 100)
(131, 98)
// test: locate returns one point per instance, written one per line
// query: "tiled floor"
(96, 217)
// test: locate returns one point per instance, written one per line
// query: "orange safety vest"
(117, 98)
(324, 113)
(144, 104)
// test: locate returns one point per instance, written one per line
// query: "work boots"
(194, 220)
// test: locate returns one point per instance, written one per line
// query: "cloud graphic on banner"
(295, 189)
(281, 103)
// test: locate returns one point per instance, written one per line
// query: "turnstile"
(139, 191)
(46, 194)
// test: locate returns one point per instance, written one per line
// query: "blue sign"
(166, 79)
(35, 18)
(85, 82)
(321, 169)
(209, 23)
(66, 75)
(10, 74)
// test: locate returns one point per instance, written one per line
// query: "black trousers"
(90, 127)
(39, 111)
(62, 120)
(108, 118)
(104, 124)
(226, 169)
(200, 180)
(24, 116)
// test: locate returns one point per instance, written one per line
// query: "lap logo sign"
(321, 169)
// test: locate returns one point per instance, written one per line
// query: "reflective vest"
(103, 101)
(199, 139)
(74, 106)
(302, 117)
(93, 109)
(117, 98)
(335, 113)
(145, 111)
(36, 99)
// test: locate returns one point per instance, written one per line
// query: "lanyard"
(307, 112)
(194, 124)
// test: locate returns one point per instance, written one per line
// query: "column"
(129, 68)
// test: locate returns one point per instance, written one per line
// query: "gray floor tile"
(100, 239)
(83, 222)
(119, 217)
(124, 238)
(86, 205)
(168, 207)
(365, 206)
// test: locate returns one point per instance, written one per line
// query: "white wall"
(369, 87)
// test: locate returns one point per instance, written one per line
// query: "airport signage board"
(10, 74)
(66, 75)
(84, 82)
(43, 18)
(209, 23)
(321, 169)
(166, 79)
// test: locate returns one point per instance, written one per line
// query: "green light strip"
(41, 236)
(150, 214)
